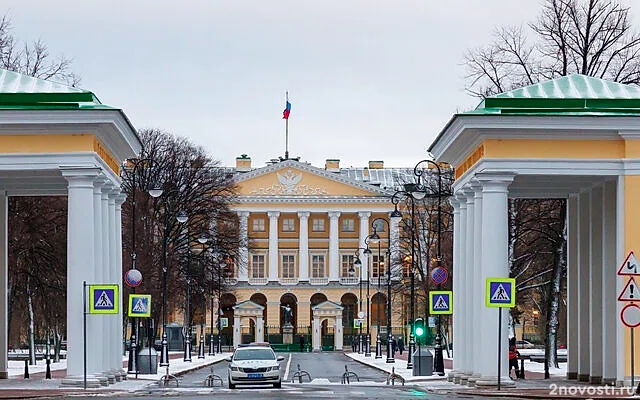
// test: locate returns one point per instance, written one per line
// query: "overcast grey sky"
(367, 79)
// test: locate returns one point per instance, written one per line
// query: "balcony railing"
(288, 281)
(374, 280)
(258, 281)
(319, 281)
(231, 281)
(349, 280)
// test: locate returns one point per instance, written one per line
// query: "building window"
(317, 225)
(378, 266)
(257, 266)
(379, 225)
(348, 225)
(347, 263)
(288, 225)
(258, 225)
(288, 266)
(317, 266)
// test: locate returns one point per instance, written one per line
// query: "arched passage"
(379, 309)
(349, 302)
(316, 299)
(261, 299)
(227, 302)
(288, 305)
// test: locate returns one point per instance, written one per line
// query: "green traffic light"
(419, 331)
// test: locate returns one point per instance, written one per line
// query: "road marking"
(286, 371)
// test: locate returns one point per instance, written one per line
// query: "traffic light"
(418, 328)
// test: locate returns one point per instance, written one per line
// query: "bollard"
(546, 368)
(48, 373)
(26, 369)
(521, 368)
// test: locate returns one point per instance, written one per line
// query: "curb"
(407, 381)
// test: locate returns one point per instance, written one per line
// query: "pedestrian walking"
(301, 343)
(393, 344)
(514, 354)
(400, 344)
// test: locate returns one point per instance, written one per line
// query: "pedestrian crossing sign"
(103, 299)
(440, 302)
(501, 292)
(140, 305)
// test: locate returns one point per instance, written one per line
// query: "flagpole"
(286, 125)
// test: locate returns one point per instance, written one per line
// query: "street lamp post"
(379, 263)
(376, 237)
(411, 196)
(202, 239)
(187, 316)
(361, 340)
(439, 360)
(132, 364)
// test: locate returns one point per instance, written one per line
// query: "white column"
(477, 286)
(116, 277)
(273, 245)
(107, 274)
(80, 246)
(303, 245)
(495, 253)
(243, 250)
(117, 340)
(98, 336)
(584, 250)
(259, 330)
(4, 284)
(609, 278)
(468, 286)
(595, 286)
(316, 334)
(334, 241)
(338, 336)
(572, 286)
(457, 277)
(236, 331)
(394, 247)
(460, 349)
(364, 232)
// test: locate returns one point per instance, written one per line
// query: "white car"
(254, 365)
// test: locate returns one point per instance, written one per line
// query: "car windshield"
(254, 354)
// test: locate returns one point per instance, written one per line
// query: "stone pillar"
(80, 258)
(460, 349)
(109, 320)
(584, 250)
(303, 258)
(572, 286)
(259, 329)
(339, 344)
(477, 287)
(236, 331)
(595, 286)
(273, 245)
(99, 357)
(364, 232)
(495, 264)
(243, 250)
(117, 339)
(458, 276)
(334, 240)
(609, 278)
(316, 334)
(469, 267)
(4, 284)
(115, 277)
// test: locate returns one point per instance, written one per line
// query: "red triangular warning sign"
(630, 292)
(630, 266)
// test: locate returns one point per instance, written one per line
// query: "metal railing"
(319, 281)
(258, 281)
(349, 280)
(288, 281)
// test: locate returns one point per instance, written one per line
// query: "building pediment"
(327, 306)
(293, 178)
(248, 308)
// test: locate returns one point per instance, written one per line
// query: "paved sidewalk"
(534, 387)
(16, 387)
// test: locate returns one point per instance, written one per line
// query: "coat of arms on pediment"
(289, 184)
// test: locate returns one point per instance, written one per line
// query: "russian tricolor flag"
(287, 110)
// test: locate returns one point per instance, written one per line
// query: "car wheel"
(231, 385)
(277, 385)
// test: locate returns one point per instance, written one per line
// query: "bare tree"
(589, 37)
(33, 59)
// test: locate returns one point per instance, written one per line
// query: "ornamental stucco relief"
(289, 185)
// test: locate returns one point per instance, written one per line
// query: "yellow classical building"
(303, 227)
